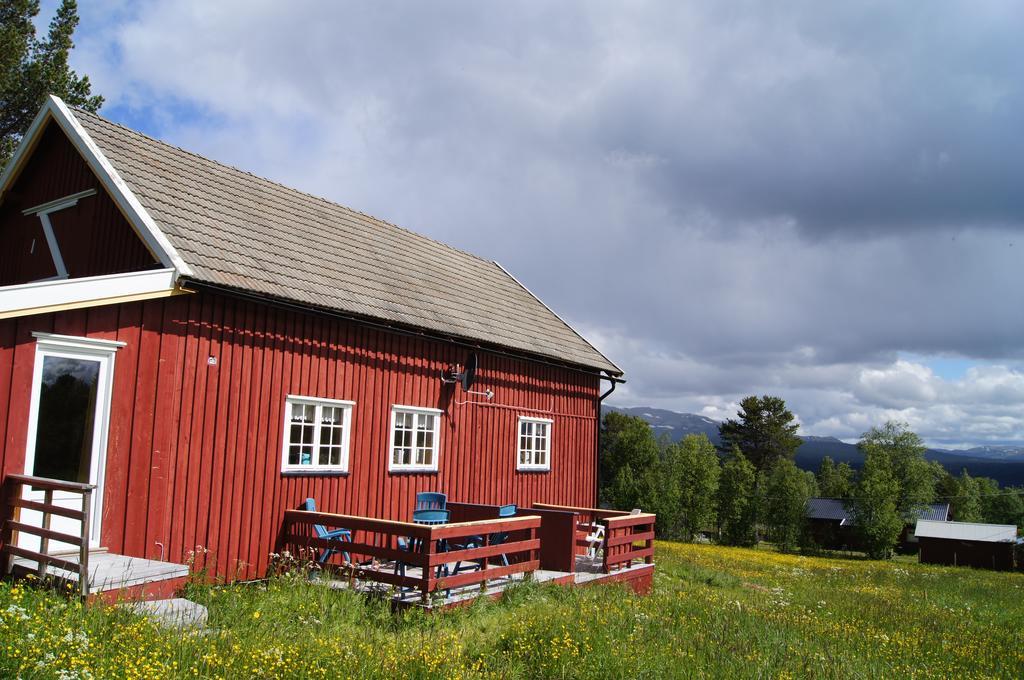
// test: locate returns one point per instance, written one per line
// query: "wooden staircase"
(91, 573)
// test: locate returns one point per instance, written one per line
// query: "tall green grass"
(714, 612)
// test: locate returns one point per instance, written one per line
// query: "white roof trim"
(143, 222)
(49, 293)
(555, 314)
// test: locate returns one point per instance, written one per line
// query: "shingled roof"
(239, 231)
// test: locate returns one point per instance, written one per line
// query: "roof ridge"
(281, 185)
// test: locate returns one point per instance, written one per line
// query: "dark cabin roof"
(836, 510)
(239, 231)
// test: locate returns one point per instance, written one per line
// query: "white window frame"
(435, 449)
(533, 466)
(346, 434)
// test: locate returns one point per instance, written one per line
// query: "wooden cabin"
(967, 544)
(831, 524)
(206, 349)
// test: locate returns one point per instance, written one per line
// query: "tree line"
(750, 489)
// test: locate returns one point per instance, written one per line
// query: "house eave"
(54, 295)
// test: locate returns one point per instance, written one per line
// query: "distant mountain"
(1002, 463)
(992, 452)
(675, 425)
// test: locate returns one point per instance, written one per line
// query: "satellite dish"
(468, 375)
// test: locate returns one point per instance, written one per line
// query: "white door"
(67, 429)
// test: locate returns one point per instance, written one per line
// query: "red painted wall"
(195, 450)
(94, 237)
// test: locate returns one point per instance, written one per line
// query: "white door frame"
(92, 349)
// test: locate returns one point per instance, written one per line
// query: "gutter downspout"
(597, 452)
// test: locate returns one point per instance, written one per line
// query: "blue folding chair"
(431, 500)
(328, 535)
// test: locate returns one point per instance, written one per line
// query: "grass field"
(714, 612)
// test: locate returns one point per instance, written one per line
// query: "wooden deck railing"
(623, 531)
(556, 533)
(373, 548)
(622, 534)
(11, 502)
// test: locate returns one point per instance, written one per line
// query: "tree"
(903, 451)
(737, 507)
(834, 481)
(966, 505)
(694, 469)
(764, 432)
(630, 462)
(31, 69)
(786, 491)
(1000, 506)
(874, 504)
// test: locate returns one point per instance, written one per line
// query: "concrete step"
(173, 613)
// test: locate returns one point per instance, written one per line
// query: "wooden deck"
(111, 575)
(414, 564)
(637, 576)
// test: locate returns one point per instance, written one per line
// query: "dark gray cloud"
(730, 197)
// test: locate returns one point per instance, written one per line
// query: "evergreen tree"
(736, 502)
(764, 432)
(31, 69)
(786, 491)
(834, 481)
(695, 470)
(874, 504)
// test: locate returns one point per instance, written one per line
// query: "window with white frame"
(316, 434)
(534, 444)
(414, 438)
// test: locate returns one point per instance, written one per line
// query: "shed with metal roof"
(986, 546)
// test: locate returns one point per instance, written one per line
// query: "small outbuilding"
(832, 524)
(966, 544)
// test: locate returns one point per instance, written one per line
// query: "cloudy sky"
(822, 201)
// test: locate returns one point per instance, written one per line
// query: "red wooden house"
(209, 348)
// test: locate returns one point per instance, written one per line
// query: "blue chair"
(328, 535)
(431, 500)
(429, 517)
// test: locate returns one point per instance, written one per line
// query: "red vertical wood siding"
(94, 237)
(195, 449)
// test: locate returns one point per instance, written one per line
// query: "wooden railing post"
(83, 549)
(649, 545)
(427, 547)
(44, 541)
(484, 562)
(7, 515)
